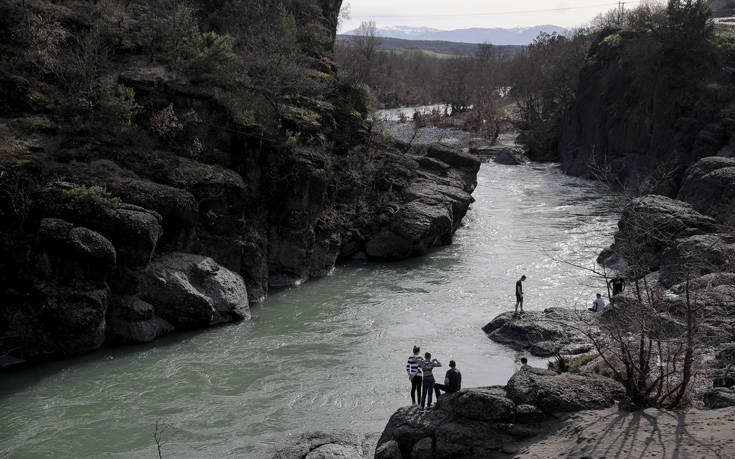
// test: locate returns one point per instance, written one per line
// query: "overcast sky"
(463, 14)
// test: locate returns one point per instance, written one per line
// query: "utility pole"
(621, 7)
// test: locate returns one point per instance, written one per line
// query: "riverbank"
(236, 394)
(538, 414)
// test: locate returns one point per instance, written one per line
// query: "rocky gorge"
(543, 413)
(113, 239)
(110, 237)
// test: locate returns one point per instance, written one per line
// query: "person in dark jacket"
(452, 380)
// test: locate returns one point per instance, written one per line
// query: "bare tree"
(161, 435)
(367, 40)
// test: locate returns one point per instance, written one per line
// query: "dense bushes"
(252, 56)
(544, 82)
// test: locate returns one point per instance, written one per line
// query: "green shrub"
(93, 199)
(118, 106)
(214, 59)
(613, 40)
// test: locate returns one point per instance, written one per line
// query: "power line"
(498, 13)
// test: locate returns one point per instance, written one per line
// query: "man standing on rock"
(452, 380)
(414, 374)
(519, 293)
(618, 284)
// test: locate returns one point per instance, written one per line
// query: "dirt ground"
(647, 434)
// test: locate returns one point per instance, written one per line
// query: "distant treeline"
(544, 76)
(433, 46)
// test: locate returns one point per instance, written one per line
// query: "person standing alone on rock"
(519, 293)
(414, 374)
(452, 380)
(427, 385)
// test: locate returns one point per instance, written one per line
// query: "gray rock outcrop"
(544, 333)
(650, 224)
(719, 397)
(491, 421)
(696, 256)
(132, 320)
(339, 444)
(194, 291)
(709, 186)
(509, 156)
(553, 392)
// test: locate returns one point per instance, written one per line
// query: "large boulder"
(719, 397)
(339, 444)
(79, 243)
(213, 186)
(696, 256)
(193, 291)
(72, 320)
(713, 295)
(544, 333)
(553, 392)
(650, 224)
(177, 207)
(510, 157)
(431, 191)
(415, 228)
(479, 404)
(709, 186)
(464, 165)
(136, 234)
(132, 320)
(477, 422)
(65, 311)
(133, 230)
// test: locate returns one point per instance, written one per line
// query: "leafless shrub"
(162, 435)
(165, 123)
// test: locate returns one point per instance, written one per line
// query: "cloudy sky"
(461, 14)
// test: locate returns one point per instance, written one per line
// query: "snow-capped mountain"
(496, 36)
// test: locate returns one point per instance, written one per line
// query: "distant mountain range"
(496, 36)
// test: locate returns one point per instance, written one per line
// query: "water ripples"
(329, 354)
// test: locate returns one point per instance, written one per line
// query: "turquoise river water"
(329, 354)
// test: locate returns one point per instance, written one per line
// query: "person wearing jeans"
(414, 374)
(427, 385)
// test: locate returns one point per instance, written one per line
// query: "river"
(330, 354)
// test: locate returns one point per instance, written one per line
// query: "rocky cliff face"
(642, 116)
(182, 217)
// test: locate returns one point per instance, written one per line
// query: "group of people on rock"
(617, 284)
(420, 369)
(420, 373)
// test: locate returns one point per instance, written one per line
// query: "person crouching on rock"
(598, 305)
(414, 374)
(452, 380)
(427, 385)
